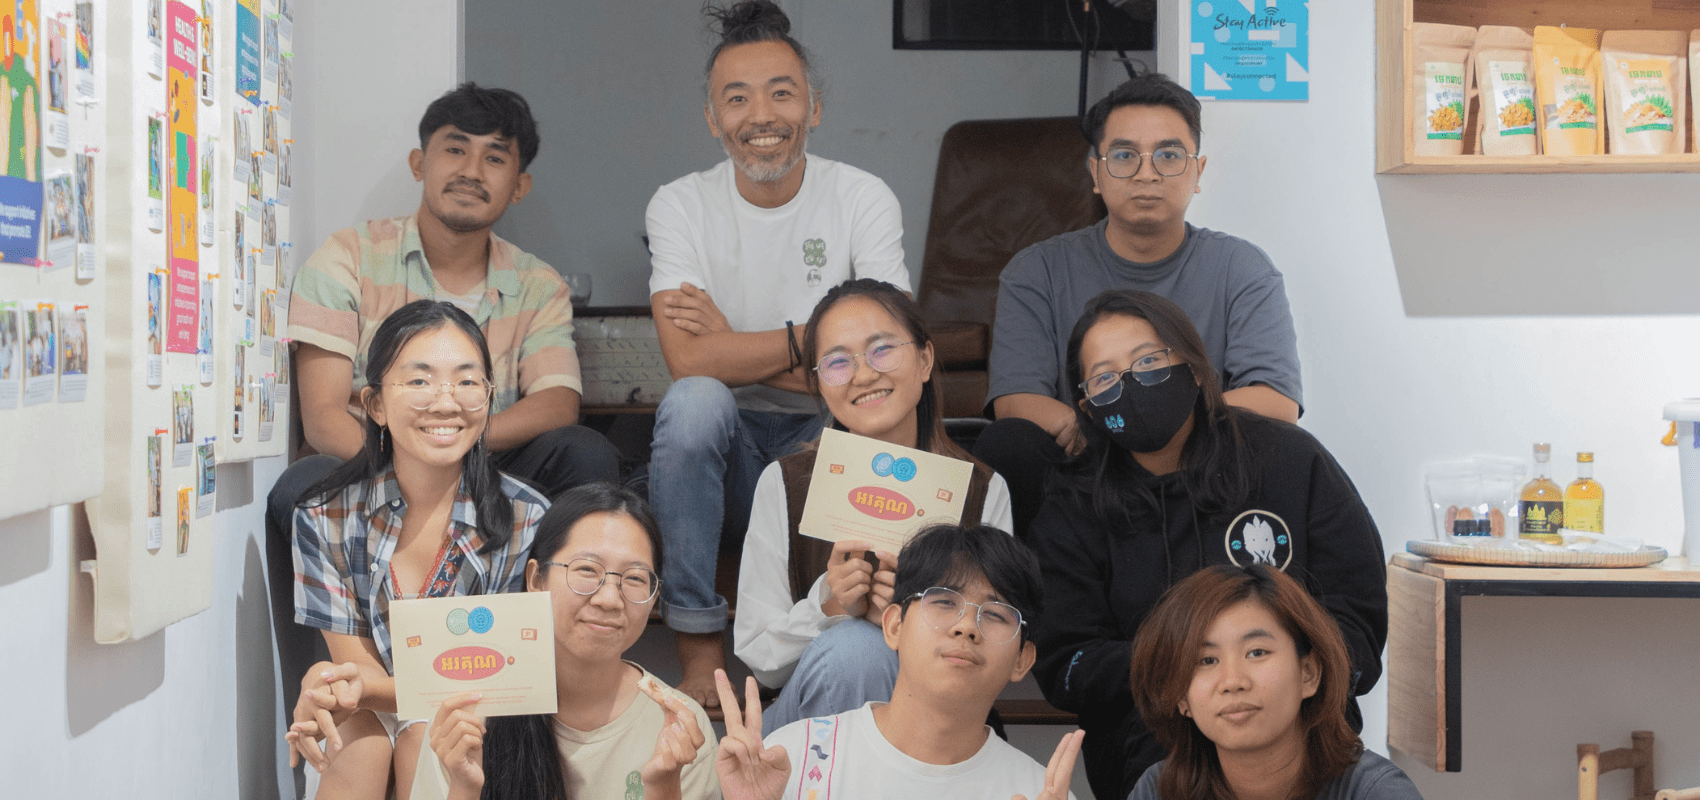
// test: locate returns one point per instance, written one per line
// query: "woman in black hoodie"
(1172, 480)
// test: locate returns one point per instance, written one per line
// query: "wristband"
(796, 355)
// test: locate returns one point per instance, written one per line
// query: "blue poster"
(1251, 49)
(248, 50)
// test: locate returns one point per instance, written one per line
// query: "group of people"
(1144, 529)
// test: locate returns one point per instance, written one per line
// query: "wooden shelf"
(1393, 18)
(1424, 653)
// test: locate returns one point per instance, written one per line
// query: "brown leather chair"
(1002, 185)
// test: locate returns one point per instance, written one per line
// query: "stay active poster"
(183, 239)
(20, 135)
(1250, 49)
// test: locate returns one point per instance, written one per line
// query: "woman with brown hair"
(1243, 677)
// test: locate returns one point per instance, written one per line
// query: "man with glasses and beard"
(1145, 164)
(741, 253)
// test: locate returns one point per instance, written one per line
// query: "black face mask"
(1145, 418)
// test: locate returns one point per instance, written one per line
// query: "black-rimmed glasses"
(1124, 162)
(1149, 370)
(638, 585)
(942, 608)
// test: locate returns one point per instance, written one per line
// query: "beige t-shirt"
(605, 762)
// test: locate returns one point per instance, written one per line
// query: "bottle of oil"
(1584, 499)
(1540, 509)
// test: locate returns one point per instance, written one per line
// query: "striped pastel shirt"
(361, 275)
(343, 550)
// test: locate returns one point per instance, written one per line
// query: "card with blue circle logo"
(868, 490)
(500, 645)
(1250, 49)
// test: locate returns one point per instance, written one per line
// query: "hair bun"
(741, 20)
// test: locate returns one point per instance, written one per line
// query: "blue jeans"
(845, 666)
(706, 457)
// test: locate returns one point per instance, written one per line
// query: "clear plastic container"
(1463, 495)
(1686, 415)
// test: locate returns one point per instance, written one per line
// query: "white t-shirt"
(770, 632)
(767, 266)
(605, 762)
(845, 757)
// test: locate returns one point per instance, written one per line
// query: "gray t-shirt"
(1372, 778)
(1234, 295)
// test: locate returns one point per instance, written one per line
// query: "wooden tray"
(1463, 554)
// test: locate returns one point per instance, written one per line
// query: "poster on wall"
(85, 48)
(74, 354)
(41, 371)
(208, 52)
(20, 104)
(182, 235)
(61, 221)
(248, 50)
(11, 356)
(1250, 49)
(87, 255)
(58, 85)
(156, 38)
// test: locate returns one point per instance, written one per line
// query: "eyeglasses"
(1149, 370)
(942, 608)
(638, 585)
(1124, 162)
(470, 394)
(836, 369)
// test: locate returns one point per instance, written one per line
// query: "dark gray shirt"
(1234, 295)
(1372, 778)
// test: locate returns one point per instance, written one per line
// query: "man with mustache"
(1145, 164)
(740, 255)
(475, 144)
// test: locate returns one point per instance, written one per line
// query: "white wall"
(196, 710)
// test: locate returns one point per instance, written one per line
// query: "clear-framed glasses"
(470, 394)
(638, 585)
(1123, 162)
(942, 608)
(837, 368)
(1149, 369)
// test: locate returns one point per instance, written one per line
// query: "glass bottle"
(1585, 499)
(1540, 508)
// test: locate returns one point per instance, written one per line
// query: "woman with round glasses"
(596, 554)
(1173, 479)
(420, 512)
(809, 610)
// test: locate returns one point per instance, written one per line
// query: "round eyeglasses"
(942, 608)
(836, 369)
(1124, 162)
(470, 394)
(638, 585)
(1149, 370)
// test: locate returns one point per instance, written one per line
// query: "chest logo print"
(1259, 537)
(814, 257)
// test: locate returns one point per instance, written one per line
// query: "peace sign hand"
(747, 770)
(1061, 768)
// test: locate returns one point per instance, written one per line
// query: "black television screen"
(1023, 24)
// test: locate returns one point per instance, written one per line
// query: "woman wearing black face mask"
(1173, 479)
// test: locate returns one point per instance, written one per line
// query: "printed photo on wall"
(73, 353)
(85, 48)
(251, 323)
(11, 356)
(88, 256)
(267, 410)
(206, 474)
(269, 137)
(271, 49)
(244, 145)
(238, 418)
(185, 499)
(61, 221)
(239, 284)
(283, 178)
(268, 234)
(156, 172)
(207, 220)
(207, 53)
(204, 347)
(268, 322)
(182, 425)
(256, 197)
(286, 85)
(41, 351)
(156, 326)
(156, 38)
(156, 475)
(286, 20)
(281, 366)
(58, 85)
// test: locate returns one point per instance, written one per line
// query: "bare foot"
(700, 654)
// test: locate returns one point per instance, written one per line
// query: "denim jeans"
(845, 666)
(704, 462)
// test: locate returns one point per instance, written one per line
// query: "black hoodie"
(1103, 578)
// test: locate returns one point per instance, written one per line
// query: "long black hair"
(1216, 466)
(521, 758)
(483, 482)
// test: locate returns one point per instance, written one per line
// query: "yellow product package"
(1567, 90)
(1440, 87)
(1646, 108)
(1505, 126)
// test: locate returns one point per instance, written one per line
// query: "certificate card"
(880, 493)
(500, 645)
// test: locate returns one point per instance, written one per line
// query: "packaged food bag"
(1567, 90)
(1505, 82)
(1646, 106)
(1440, 87)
